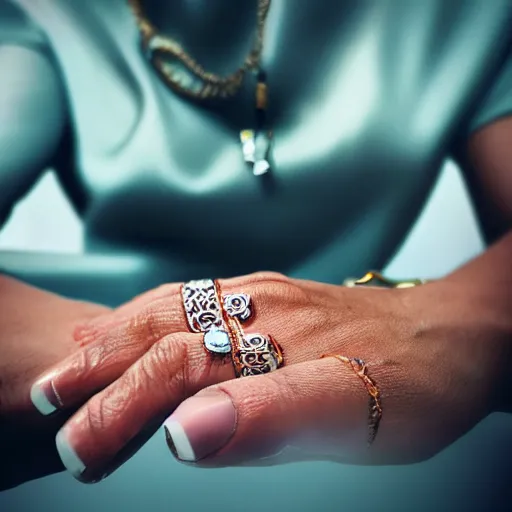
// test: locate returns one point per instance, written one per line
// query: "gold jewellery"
(185, 76)
(212, 86)
(375, 405)
(374, 278)
(219, 319)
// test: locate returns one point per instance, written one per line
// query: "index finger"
(96, 439)
(110, 347)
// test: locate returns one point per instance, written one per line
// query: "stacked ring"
(201, 304)
(253, 354)
(219, 318)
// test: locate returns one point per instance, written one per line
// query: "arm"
(36, 327)
(33, 117)
(485, 160)
(441, 354)
(487, 164)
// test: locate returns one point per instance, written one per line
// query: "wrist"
(504, 393)
(471, 317)
(488, 325)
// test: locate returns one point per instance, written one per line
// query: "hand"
(425, 348)
(37, 331)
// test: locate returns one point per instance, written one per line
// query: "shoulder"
(16, 26)
(32, 104)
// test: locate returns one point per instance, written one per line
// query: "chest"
(349, 89)
(364, 96)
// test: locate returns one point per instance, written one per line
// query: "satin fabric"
(367, 99)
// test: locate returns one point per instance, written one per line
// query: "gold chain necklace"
(203, 85)
(159, 47)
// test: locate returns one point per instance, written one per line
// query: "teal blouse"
(368, 98)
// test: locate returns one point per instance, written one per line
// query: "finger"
(318, 409)
(123, 313)
(114, 342)
(111, 348)
(171, 292)
(98, 435)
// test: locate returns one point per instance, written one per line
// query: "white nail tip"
(40, 401)
(70, 459)
(181, 442)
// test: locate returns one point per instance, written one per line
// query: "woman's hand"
(36, 331)
(428, 350)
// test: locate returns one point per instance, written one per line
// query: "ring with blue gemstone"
(217, 341)
(207, 310)
(219, 318)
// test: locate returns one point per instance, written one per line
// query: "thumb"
(319, 409)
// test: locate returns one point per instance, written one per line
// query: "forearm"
(485, 284)
(37, 329)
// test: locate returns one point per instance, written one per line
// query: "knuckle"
(96, 414)
(166, 289)
(278, 285)
(87, 332)
(317, 318)
(144, 327)
(277, 391)
(167, 362)
(88, 359)
(267, 275)
(271, 286)
(101, 414)
(161, 318)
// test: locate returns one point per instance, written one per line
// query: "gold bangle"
(374, 278)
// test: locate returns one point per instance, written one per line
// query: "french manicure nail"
(200, 426)
(68, 455)
(45, 397)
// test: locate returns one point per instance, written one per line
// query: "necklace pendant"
(256, 150)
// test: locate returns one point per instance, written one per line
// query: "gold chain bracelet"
(375, 406)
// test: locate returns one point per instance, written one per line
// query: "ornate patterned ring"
(219, 319)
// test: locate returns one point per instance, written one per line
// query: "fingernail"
(45, 397)
(68, 456)
(200, 426)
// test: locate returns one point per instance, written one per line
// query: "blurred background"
(472, 475)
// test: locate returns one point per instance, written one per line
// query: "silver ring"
(204, 312)
(238, 305)
(201, 305)
(257, 354)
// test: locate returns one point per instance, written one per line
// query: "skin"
(444, 348)
(440, 353)
(37, 331)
